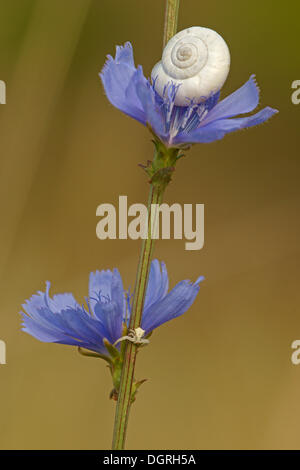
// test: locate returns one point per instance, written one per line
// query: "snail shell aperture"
(197, 59)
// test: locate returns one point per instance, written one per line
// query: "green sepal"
(116, 370)
(123, 343)
(93, 354)
(116, 363)
(162, 177)
(135, 388)
(112, 350)
(161, 168)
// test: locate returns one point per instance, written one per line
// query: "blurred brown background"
(221, 375)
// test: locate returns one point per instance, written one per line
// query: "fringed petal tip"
(254, 80)
(171, 305)
(106, 68)
(217, 129)
(124, 54)
(121, 79)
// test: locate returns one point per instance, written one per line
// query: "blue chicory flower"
(128, 90)
(61, 319)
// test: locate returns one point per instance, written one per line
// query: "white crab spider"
(135, 336)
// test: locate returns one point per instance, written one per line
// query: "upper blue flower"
(128, 90)
(61, 319)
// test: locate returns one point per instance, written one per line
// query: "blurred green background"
(221, 375)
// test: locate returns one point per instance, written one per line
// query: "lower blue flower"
(128, 90)
(61, 319)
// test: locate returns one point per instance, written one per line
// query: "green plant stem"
(125, 391)
(155, 198)
(171, 19)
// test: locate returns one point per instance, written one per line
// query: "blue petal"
(49, 336)
(171, 306)
(124, 55)
(216, 130)
(111, 318)
(42, 300)
(244, 100)
(108, 302)
(55, 320)
(71, 322)
(72, 327)
(40, 331)
(78, 324)
(153, 113)
(35, 303)
(61, 301)
(106, 286)
(120, 79)
(117, 292)
(158, 284)
(100, 283)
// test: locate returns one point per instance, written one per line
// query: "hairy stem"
(155, 198)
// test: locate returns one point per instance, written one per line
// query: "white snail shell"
(197, 59)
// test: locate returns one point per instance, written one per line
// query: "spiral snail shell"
(197, 59)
